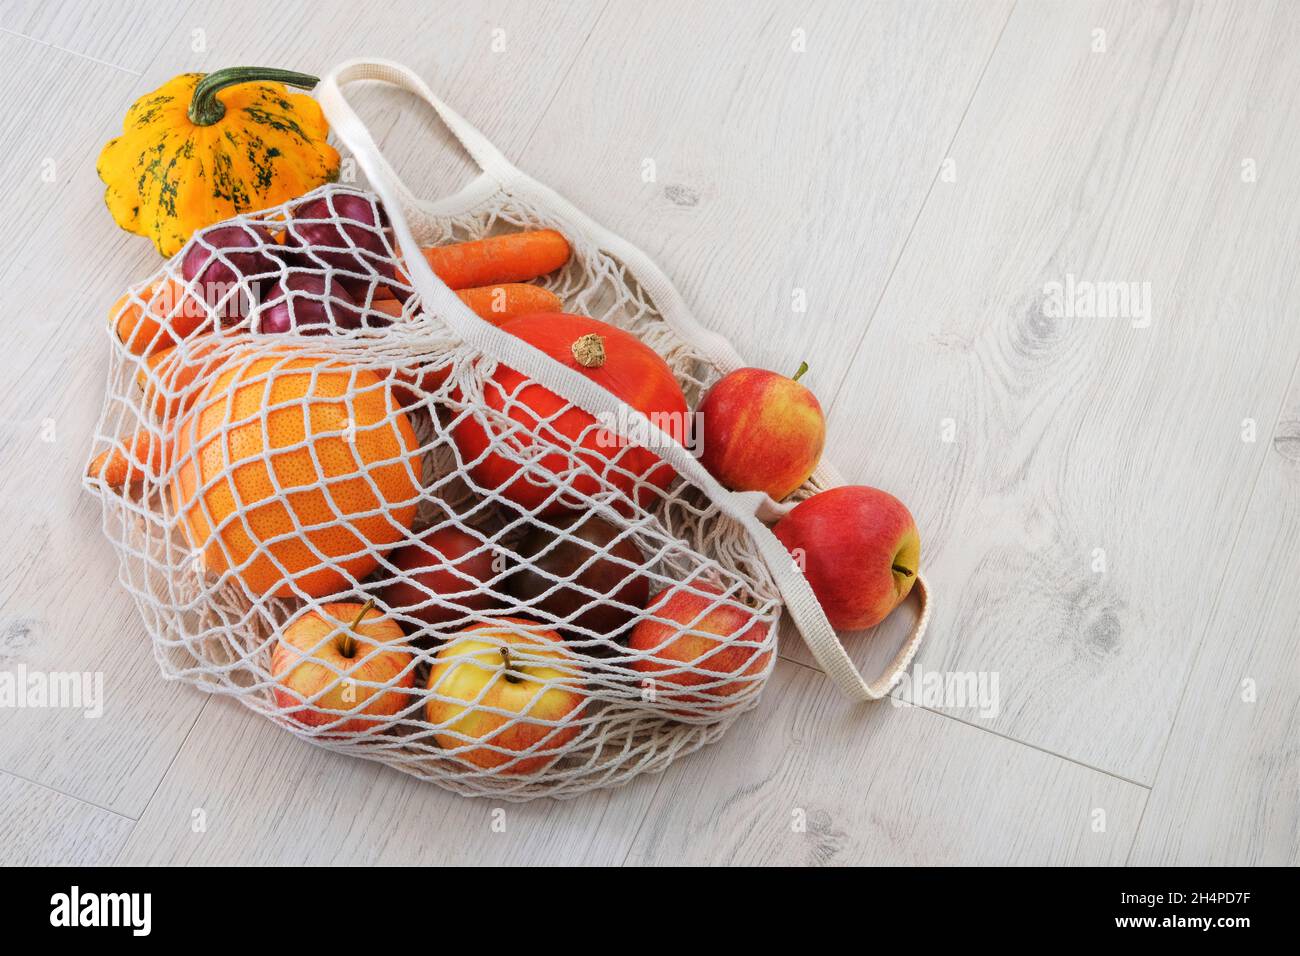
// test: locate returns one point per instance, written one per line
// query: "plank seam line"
(988, 730)
(1203, 640)
(69, 796)
(63, 49)
(907, 240)
(162, 777)
(545, 111)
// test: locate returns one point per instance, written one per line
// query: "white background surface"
(920, 170)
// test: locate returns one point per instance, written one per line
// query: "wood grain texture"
(780, 177)
(1228, 786)
(267, 798)
(499, 62)
(1226, 790)
(1078, 525)
(42, 827)
(805, 781)
(60, 606)
(123, 35)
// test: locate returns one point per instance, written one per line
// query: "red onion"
(348, 236)
(307, 303)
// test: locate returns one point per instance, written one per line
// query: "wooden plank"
(60, 606)
(803, 781)
(499, 64)
(123, 35)
(265, 797)
(41, 827)
(1228, 788)
(1077, 525)
(775, 170)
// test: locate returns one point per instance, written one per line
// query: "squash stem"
(206, 109)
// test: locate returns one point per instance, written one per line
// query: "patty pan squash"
(203, 147)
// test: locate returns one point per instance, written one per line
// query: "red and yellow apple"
(447, 564)
(696, 641)
(760, 431)
(859, 549)
(492, 666)
(341, 652)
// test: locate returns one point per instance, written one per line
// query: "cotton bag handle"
(495, 166)
(340, 114)
(801, 603)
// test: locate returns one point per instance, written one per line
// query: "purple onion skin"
(292, 304)
(213, 270)
(333, 242)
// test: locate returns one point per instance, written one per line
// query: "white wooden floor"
(1110, 512)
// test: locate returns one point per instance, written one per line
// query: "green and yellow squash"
(203, 147)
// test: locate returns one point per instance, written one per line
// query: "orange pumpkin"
(577, 456)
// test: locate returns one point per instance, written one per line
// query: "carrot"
(167, 316)
(143, 455)
(516, 257)
(496, 303)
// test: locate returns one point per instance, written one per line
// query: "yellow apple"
(327, 665)
(535, 703)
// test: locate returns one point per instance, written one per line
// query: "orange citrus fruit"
(293, 471)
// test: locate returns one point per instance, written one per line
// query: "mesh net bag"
(405, 534)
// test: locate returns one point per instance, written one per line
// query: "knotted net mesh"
(393, 545)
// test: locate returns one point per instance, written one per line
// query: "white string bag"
(297, 465)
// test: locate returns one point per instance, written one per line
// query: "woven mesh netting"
(396, 547)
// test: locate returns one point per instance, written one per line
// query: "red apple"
(447, 565)
(859, 549)
(760, 431)
(535, 705)
(696, 642)
(340, 653)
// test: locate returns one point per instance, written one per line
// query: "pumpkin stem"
(589, 350)
(206, 109)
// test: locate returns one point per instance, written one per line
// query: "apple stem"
(903, 571)
(510, 675)
(348, 646)
(803, 367)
